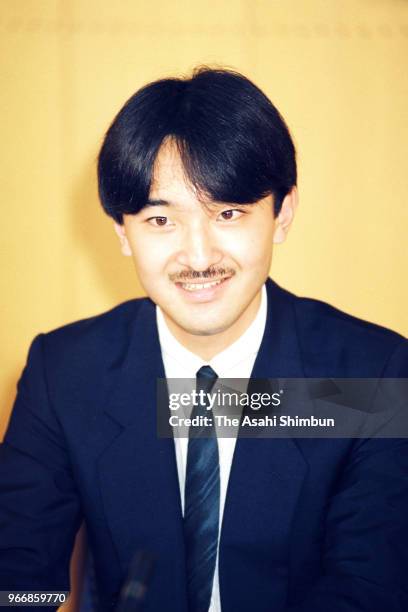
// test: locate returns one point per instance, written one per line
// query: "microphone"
(134, 588)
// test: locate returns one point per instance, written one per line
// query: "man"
(199, 176)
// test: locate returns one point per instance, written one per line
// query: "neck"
(208, 346)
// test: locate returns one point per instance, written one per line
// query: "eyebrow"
(157, 202)
(160, 202)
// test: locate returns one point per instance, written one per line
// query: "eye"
(158, 221)
(230, 215)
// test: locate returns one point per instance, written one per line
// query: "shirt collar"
(246, 345)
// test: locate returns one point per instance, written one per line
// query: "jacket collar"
(279, 355)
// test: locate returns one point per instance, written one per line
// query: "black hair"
(233, 142)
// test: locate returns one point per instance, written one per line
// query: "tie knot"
(206, 378)
(207, 372)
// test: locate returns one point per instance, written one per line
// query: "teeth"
(198, 286)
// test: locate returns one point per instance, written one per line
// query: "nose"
(200, 249)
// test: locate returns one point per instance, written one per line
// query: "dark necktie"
(202, 503)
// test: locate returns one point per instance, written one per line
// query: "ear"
(124, 243)
(286, 215)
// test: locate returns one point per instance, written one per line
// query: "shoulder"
(94, 340)
(106, 325)
(350, 344)
(327, 319)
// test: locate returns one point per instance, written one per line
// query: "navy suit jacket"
(309, 525)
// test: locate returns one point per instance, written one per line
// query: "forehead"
(171, 187)
(169, 182)
(168, 171)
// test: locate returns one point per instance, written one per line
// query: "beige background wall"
(335, 68)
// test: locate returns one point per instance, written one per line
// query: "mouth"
(201, 286)
(202, 291)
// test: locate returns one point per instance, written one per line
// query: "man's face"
(203, 264)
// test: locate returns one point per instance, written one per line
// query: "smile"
(203, 292)
(201, 286)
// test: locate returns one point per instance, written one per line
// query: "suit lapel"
(266, 475)
(279, 354)
(138, 472)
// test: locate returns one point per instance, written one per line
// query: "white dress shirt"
(236, 361)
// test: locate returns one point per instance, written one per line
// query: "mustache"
(186, 275)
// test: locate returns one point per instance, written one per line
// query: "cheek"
(251, 248)
(150, 257)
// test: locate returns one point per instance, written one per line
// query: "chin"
(206, 329)
(207, 332)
